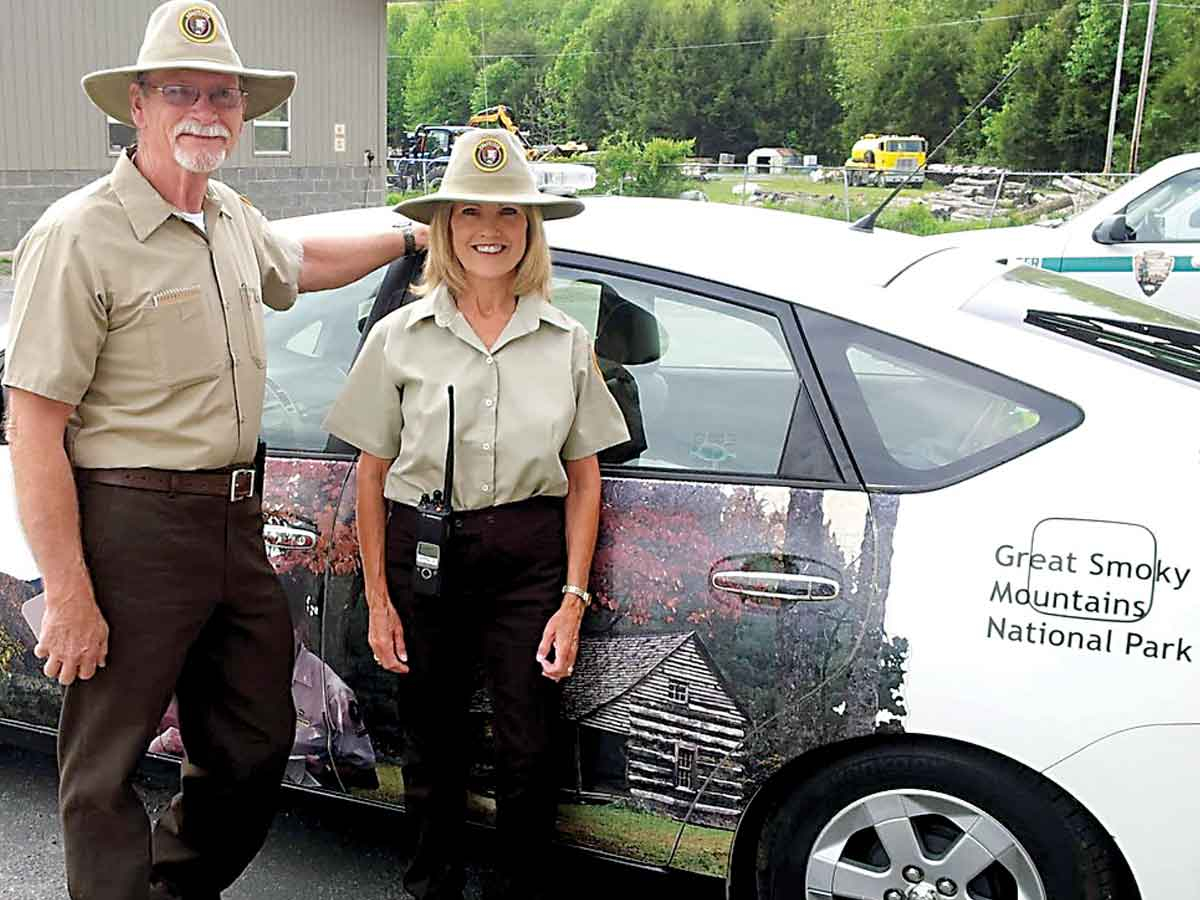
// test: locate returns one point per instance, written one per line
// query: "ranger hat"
(488, 165)
(188, 34)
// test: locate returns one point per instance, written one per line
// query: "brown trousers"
(193, 608)
(502, 582)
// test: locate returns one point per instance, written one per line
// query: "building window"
(677, 691)
(685, 762)
(120, 136)
(273, 131)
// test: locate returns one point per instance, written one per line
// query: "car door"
(736, 571)
(309, 350)
(737, 615)
(1161, 260)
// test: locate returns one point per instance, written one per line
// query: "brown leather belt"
(234, 484)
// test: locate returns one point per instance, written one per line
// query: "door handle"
(777, 585)
(287, 537)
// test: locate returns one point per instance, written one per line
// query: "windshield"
(905, 146)
(1009, 297)
(1168, 212)
(1033, 298)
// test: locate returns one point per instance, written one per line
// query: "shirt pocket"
(253, 308)
(183, 336)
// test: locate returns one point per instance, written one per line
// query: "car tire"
(854, 829)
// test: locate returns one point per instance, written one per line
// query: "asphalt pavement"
(317, 849)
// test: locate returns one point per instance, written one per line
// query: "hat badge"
(198, 26)
(489, 155)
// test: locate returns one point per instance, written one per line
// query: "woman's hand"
(561, 634)
(385, 634)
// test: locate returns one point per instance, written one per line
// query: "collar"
(144, 205)
(531, 311)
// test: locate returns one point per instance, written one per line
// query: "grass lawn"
(612, 828)
(639, 835)
(722, 190)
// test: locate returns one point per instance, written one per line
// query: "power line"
(672, 48)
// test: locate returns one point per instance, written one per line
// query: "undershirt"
(196, 218)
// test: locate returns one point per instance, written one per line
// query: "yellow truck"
(881, 159)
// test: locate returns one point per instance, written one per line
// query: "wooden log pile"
(974, 196)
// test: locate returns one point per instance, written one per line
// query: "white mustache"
(187, 126)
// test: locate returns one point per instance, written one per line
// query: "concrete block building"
(306, 156)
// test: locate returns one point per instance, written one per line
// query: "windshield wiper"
(1173, 350)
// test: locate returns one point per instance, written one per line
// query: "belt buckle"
(241, 484)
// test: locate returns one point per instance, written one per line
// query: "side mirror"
(1112, 230)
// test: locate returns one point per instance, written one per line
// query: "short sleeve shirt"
(149, 327)
(532, 400)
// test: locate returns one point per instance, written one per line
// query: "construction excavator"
(502, 116)
(422, 161)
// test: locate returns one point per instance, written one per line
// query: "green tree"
(413, 40)
(593, 76)
(984, 66)
(1026, 132)
(642, 168)
(397, 20)
(1172, 121)
(502, 81)
(440, 81)
(795, 84)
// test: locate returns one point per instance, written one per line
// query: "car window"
(919, 419)
(1169, 211)
(309, 351)
(704, 384)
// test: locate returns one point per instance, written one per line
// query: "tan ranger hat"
(489, 166)
(188, 34)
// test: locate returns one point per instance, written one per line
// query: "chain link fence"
(946, 198)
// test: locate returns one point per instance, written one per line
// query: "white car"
(896, 580)
(1142, 240)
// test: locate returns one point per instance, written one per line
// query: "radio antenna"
(867, 222)
(446, 495)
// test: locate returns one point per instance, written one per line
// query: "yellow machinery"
(886, 159)
(500, 115)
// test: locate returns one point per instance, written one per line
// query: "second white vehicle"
(1142, 240)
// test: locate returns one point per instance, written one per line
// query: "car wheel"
(933, 824)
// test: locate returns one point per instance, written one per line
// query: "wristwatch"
(410, 239)
(578, 592)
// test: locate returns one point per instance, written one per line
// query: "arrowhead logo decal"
(1151, 268)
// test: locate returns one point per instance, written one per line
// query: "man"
(136, 366)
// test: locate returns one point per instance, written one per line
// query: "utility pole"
(1141, 99)
(1112, 115)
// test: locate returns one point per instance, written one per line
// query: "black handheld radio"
(433, 524)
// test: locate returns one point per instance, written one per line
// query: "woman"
(530, 413)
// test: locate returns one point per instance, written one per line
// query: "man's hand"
(562, 634)
(385, 634)
(74, 639)
(421, 235)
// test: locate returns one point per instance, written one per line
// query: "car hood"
(1018, 242)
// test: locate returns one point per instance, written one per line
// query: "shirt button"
(487, 446)
(490, 361)
(485, 487)
(489, 402)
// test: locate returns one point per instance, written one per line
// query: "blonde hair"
(443, 267)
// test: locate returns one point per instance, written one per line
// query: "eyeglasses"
(184, 95)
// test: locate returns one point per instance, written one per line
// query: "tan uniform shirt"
(151, 329)
(521, 408)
